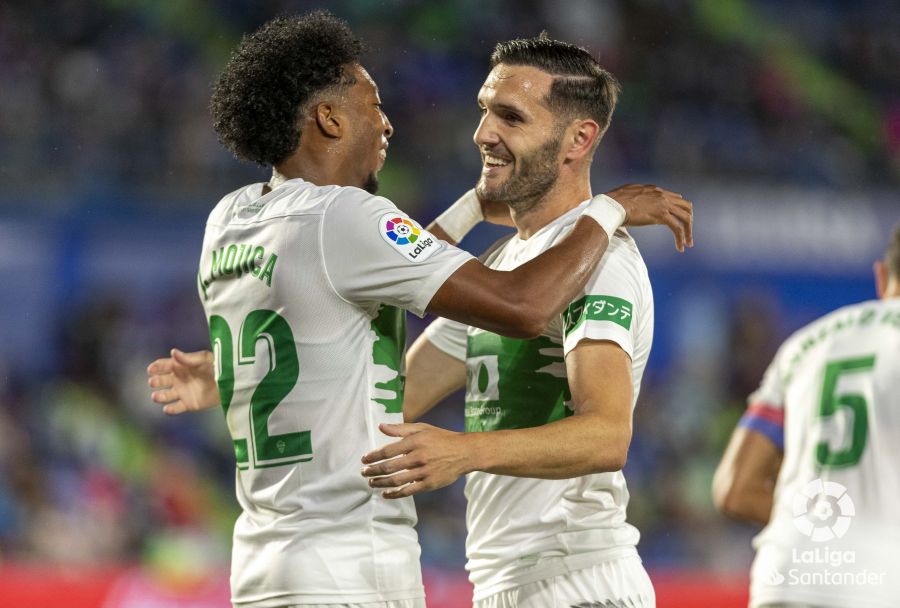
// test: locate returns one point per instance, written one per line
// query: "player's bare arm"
(595, 439)
(744, 482)
(521, 302)
(431, 375)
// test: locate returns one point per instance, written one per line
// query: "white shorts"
(417, 603)
(620, 583)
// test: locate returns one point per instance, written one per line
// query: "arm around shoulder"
(521, 303)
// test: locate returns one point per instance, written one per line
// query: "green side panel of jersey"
(514, 384)
(387, 353)
(597, 308)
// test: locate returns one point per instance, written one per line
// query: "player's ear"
(583, 135)
(328, 119)
(881, 278)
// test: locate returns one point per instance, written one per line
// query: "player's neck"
(308, 167)
(892, 290)
(562, 198)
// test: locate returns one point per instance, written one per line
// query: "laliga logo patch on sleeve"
(406, 236)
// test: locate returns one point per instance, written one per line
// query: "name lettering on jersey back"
(818, 334)
(238, 260)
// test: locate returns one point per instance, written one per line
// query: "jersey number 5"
(832, 401)
(284, 369)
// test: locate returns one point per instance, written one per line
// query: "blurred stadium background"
(780, 120)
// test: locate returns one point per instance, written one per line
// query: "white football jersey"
(521, 530)
(834, 535)
(304, 290)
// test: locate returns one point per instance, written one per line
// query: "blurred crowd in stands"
(108, 98)
(103, 110)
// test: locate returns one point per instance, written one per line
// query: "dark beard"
(537, 173)
(371, 185)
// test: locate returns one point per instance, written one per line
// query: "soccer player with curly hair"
(305, 280)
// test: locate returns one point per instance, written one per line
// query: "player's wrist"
(461, 216)
(606, 212)
(477, 452)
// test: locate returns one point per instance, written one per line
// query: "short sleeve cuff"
(449, 337)
(430, 285)
(600, 330)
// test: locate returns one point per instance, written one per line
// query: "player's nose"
(485, 134)
(388, 127)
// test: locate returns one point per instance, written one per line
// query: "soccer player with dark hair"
(304, 280)
(812, 459)
(548, 419)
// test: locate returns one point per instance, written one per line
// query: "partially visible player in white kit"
(814, 459)
(304, 281)
(548, 419)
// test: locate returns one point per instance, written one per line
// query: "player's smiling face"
(518, 136)
(370, 130)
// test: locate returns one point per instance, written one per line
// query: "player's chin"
(489, 192)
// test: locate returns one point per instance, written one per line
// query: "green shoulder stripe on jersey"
(514, 384)
(597, 308)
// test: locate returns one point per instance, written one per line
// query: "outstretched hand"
(646, 204)
(426, 458)
(184, 382)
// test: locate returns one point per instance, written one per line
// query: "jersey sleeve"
(765, 406)
(448, 336)
(373, 252)
(606, 308)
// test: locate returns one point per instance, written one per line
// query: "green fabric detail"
(514, 384)
(387, 354)
(240, 451)
(597, 308)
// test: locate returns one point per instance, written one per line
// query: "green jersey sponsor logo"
(514, 384)
(387, 355)
(597, 308)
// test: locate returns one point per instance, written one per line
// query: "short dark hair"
(892, 255)
(271, 75)
(581, 87)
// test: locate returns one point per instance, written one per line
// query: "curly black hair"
(270, 77)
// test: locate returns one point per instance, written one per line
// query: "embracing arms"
(594, 439)
(520, 303)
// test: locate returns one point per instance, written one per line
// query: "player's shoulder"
(294, 197)
(622, 258)
(221, 214)
(837, 323)
(349, 200)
